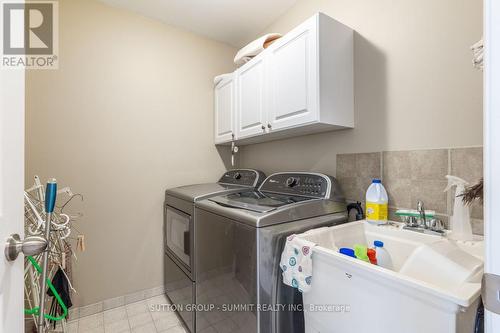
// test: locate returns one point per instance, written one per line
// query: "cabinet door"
(293, 78)
(224, 111)
(250, 107)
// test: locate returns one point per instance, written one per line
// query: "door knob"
(30, 246)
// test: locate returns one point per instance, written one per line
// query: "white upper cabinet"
(292, 78)
(224, 110)
(251, 115)
(301, 84)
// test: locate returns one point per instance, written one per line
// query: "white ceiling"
(234, 22)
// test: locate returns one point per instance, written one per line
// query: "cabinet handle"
(269, 126)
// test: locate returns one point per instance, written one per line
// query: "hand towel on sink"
(296, 263)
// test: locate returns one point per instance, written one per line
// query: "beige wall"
(414, 83)
(128, 114)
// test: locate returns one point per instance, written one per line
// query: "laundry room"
(285, 166)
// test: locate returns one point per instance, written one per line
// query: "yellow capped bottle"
(376, 203)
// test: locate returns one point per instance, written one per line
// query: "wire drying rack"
(59, 253)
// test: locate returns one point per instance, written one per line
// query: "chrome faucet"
(421, 211)
(433, 227)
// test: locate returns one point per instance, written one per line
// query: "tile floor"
(131, 318)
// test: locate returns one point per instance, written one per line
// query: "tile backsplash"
(413, 175)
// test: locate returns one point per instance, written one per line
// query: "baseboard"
(111, 303)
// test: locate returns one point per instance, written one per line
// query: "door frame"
(491, 128)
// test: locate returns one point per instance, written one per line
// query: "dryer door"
(178, 227)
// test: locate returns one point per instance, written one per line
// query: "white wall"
(414, 83)
(128, 114)
(492, 148)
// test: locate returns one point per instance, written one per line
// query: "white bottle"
(376, 203)
(460, 220)
(383, 257)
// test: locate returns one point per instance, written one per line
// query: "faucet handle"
(436, 225)
(412, 221)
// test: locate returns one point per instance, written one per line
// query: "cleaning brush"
(473, 193)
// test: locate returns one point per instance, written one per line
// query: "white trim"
(492, 146)
(111, 303)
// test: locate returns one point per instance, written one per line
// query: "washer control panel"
(306, 184)
(242, 177)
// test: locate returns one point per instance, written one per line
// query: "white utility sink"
(433, 288)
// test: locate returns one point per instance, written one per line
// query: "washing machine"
(239, 238)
